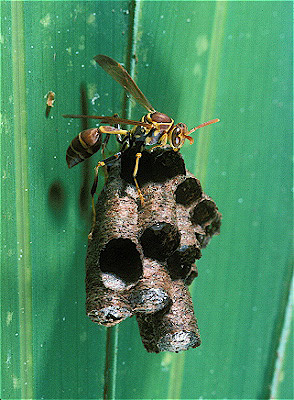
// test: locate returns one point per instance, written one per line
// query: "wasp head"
(178, 135)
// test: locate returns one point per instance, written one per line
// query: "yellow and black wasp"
(155, 129)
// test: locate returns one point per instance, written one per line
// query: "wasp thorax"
(160, 117)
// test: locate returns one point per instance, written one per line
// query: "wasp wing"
(119, 74)
(110, 120)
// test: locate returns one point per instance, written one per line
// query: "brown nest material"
(141, 259)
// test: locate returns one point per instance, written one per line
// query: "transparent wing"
(119, 74)
(110, 120)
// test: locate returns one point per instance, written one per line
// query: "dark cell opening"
(179, 264)
(121, 258)
(192, 275)
(204, 212)
(128, 160)
(201, 239)
(160, 240)
(167, 165)
(214, 227)
(188, 191)
(156, 166)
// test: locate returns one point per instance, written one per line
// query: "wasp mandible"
(155, 129)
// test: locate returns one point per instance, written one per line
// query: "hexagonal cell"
(204, 212)
(158, 166)
(188, 191)
(160, 240)
(179, 264)
(121, 258)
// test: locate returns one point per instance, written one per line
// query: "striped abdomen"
(83, 146)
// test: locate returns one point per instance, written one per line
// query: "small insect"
(50, 96)
(154, 130)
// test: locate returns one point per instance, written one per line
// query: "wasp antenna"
(76, 116)
(204, 124)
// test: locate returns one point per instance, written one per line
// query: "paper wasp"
(155, 129)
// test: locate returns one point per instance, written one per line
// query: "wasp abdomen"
(83, 146)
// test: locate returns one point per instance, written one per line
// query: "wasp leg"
(109, 130)
(163, 142)
(104, 144)
(103, 163)
(138, 156)
(106, 140)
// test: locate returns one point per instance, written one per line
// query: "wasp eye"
(176, 140)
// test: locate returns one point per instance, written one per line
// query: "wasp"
(155, 129)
